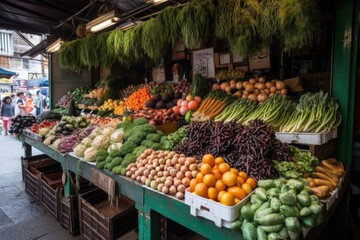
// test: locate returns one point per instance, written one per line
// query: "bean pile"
(248, 148)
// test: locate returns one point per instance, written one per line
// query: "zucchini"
(273, 192)
(288, 198)
(261, 234)
(289, 211)
(275, 204)
(249, 231)
(271, 219)
(267, 184)
(273, 228)
(295, 184)
(261, 193)
(247, 213)
(292, 224)
(305, 211)
(303, 199)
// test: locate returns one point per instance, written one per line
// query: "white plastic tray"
(220, 214)
(30, 134)
(307, 138)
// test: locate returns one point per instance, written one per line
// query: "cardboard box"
(261, 60)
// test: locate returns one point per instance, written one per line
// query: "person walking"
(38, 102)
(29, 104)
(7, 113)
(21, 104)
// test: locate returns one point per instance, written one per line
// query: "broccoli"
(123, 171)
(131, 158)
(158, 132)
(147, 128)
(109, 159)
(125, 125)
(139, 150)
(114, 163)
(101, 155)
(153, 137)
(140, 121)
(115, 153)
(127, 147)
(100, 165)
(137, 137)
(156, 146)
(163, 140)
(146, 143)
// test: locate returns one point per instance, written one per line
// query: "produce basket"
(307, 138)
(34, 159)
(32, 184)
(50, 188)
(100, 220)
(220, 214)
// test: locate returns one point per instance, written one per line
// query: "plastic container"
(307, 138)
(220, 214)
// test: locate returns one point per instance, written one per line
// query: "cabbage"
(97, 131)
(117, 136)
(114, 146)
(101, 142)
(55, 144)
(87, 141)
(89, 154)
(79, 150)
(108, 131)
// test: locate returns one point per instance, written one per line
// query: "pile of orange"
(219, 182)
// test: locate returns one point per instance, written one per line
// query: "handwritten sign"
(203, 62)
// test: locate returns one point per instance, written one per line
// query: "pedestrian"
(29, 104)
(7, 113)
(38, 103)
(21, 104)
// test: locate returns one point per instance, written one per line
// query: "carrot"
(204, 104)
(210, 105)
(217, 111)
(215, 107)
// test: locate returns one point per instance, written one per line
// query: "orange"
(193, 183)
(205, 168)
(234, 170)
(208, 158)
(220, 194)
(212, 193)
(209, 180)
(229, 178)
(243, 175)
(199, 177)
(216, 173)
(220, 186)
(201, 189)
(237, 201)
(247, 188)
(219, 160)
(240, 181)
(251, 182)
(238, 192)
(224, 167)
(227, 199)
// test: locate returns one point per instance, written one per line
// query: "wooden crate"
(50, 193)
(42, 158)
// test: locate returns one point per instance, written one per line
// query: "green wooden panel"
(344, 72)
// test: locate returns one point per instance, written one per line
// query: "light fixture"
(157, 1)
(55, 46)
(104, 21)
(129, 24)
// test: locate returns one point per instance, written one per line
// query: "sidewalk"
(21, 217)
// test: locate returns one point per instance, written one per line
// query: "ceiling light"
(55, 46)
(157, 1)
(104, 21)
(130, 24)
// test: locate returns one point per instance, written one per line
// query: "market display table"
(151, 205)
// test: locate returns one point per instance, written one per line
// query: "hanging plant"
(105, 57)
(299, 22)
(195, 21)
(236, 21)
(115, 43)
(69, 54)
(132, 43)
(269, 19)
(170, 27)
(89, 56)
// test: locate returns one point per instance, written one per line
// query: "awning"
(43, 82)
(6, 74)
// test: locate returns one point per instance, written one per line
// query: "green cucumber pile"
(279, 209)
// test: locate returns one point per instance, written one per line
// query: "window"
(6, 44)
(25, 63)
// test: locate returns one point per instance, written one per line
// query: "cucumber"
(275, 204)
(267, 184)
(315, 208)
(261, 193)
(284, 233)
(292, 224)
(303, 199)
(254, 199)
(305, 211)
(295, 184)
(249, 231)
(236, 225)
(273, 236)
(289, 211)
(261, 234)
(271, 219)
(273, 192)
(247, 213)
(273, 228)
(288, 198)
(263, 212)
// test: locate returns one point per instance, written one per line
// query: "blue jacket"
(7, 110)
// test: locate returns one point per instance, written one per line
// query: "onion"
(250, 88)
(261, 86)
(262, 97)
(215, 86)
(160, 186)
(165, 190)
(181, 160)
(239, 85)
(262, 79)
(177, 182)
(168, 183)
(174, 161)
(193, 167)
(253, 97)
(280, 85)
(224, 85)
(227, 89)
(181, 188)
(273, 89)
(170, 178)
(245, 83)
(194, 173)
(284, 92)
(180, 175)
(252, 80)
(184, 169)
(172, 190)
(188, 174)
(179, 195)
(268, 85)
(186, 181)
(267, 91)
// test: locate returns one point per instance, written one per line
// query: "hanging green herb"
(269, 19)
(115, 43)
(89, 55)
(105, 57)
(152, 39)
(195, 21)
(299, 22)
(170, 27)
(69, 54)
(132, 43)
